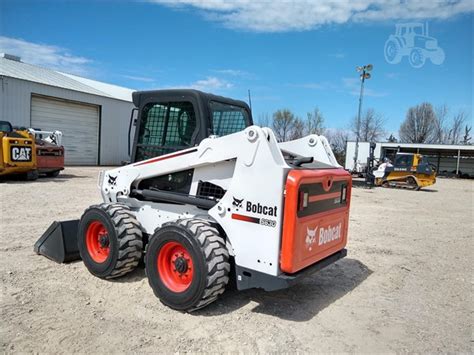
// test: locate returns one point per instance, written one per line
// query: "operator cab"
(172, 120)
(6, 126)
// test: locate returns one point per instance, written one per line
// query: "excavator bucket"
(59, 242)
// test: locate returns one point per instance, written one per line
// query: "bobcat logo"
(112, 180)
(311, 237)
(53, 140)
(237, 203)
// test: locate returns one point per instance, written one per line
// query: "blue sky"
(290, 55)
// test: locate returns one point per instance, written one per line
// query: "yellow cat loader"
(17, 152)
(409, 170)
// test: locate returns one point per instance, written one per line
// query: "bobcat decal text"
(261, 209)
(326, 235)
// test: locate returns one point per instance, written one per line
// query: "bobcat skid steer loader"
(226, 193)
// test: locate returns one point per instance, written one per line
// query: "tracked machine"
(30, 152)
(209, 197)
(17, 152)
(409, 170)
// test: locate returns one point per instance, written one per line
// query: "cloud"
(231, 72)
(139, 78)
(337, 55)
(282, 16)
(211, 83)
(45, 55)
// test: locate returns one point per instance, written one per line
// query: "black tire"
(208, 257)
(32, 175)
(124, 240)
(53, 173)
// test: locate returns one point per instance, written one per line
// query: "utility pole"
(364, 75)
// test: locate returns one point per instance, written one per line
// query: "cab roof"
(179, 94)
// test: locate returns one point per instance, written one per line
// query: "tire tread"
(129, 237)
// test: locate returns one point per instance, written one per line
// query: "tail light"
(303, 200)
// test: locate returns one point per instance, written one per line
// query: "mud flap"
(59, 242)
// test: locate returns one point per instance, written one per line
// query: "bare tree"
(448, 131)
(371, 126)
(456, 127)
(440, 131)
(419, 124)
(264, 120)
(298, 130)
(338, 138)
(467, 136)
(286, 126)
(315, 122)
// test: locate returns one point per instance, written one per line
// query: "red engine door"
(316, 216)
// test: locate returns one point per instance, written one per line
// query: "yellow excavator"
(17, 152)
(408, 170)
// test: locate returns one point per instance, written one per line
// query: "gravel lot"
(405, 286)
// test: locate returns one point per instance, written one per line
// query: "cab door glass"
(165, 128)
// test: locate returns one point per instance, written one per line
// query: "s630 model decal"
(261, 221)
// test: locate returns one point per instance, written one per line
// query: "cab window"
(165, 128)
(403, 160)
(227, 119)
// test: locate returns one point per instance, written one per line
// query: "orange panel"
(316, 216)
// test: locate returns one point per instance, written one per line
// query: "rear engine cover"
(316, 216)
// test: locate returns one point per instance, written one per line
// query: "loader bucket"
(59, 242)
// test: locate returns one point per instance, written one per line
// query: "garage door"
(78, 122)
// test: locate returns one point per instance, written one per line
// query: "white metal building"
(93, 116)
(449, 159)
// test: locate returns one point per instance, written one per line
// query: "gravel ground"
(405, 286)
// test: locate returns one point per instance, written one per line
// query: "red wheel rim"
(97, 242)
(175, 266)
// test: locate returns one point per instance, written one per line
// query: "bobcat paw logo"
(310, 237)
(53, 140)
(237, 203)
